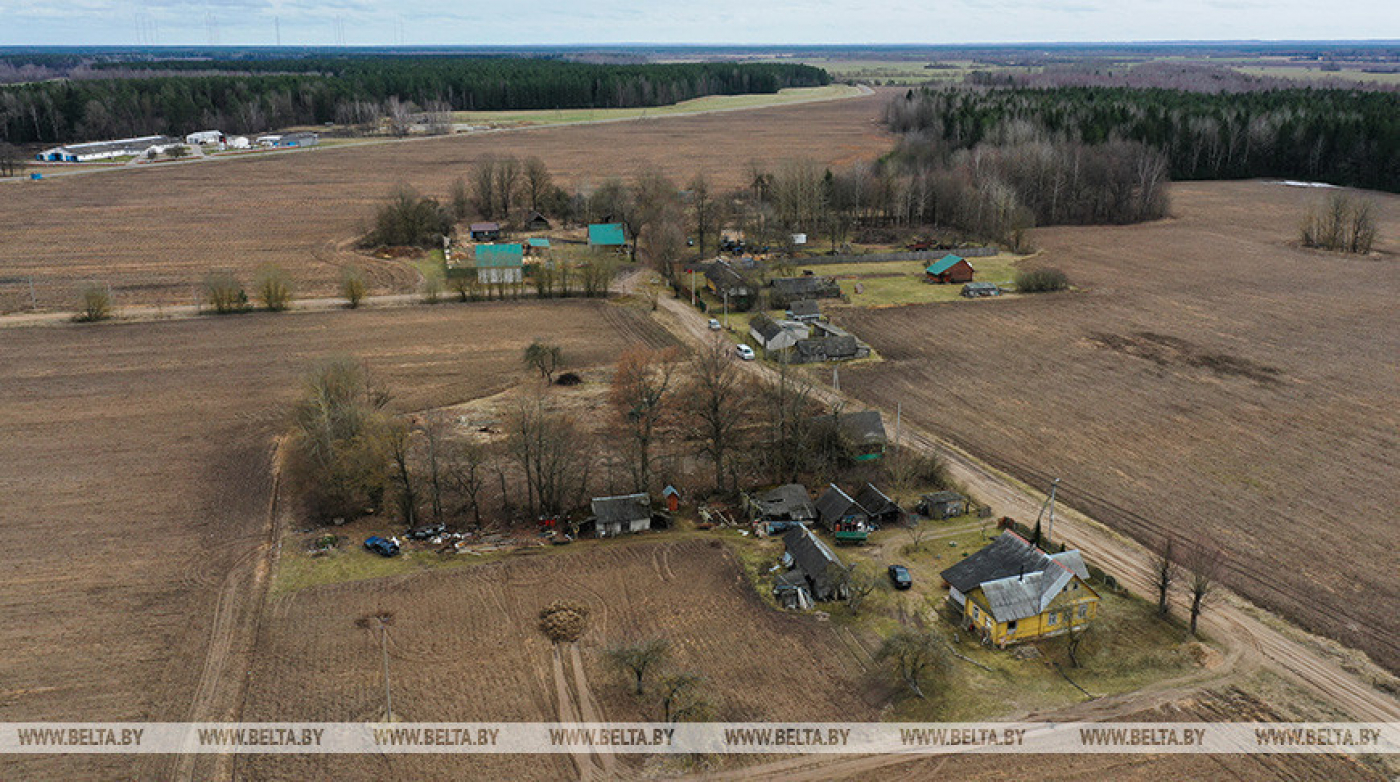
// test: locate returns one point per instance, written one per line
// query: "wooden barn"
(949, 268)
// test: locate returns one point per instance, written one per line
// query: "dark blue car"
(382, 546)
(900, 576)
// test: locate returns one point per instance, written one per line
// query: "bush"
(274, 288)
(432, 288)
(352, 287)
(407, 219)
(97, 305)
(224, 293)
(1041, 280)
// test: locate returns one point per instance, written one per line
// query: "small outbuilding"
(809, 286)
(842, 516)
(536, 246)
(864, 431)
(671, 496)
(804, 310)
(786, 506)
(878, 506)
(949, 268)
(621, 515)
(942, 505)
(816, 570)
(774, 336)
(607, 235)
(536, 221)
(488, 231)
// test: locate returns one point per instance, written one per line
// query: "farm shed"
(205, 137)
(842, 516)
(607, 235)
(865, 431)
(808, 286)
(671, 496)
(773, 335)
(804, 310)
(1011, 591)
(621, 515)
(485, 231)
(878, 506)
(818, 570)
(724, 280)
(783, 507)
(950, 268)
(104, 150)
(942, 505)
(817, 349)
(500, 263)
(536, 246)
(536, 222)
(979, 290)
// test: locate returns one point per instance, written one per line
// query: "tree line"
(168, 97)
(1343, 136)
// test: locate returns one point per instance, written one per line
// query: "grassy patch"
(897, 283)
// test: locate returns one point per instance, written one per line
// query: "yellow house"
(1011, 591)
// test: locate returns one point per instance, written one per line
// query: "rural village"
(502, 420)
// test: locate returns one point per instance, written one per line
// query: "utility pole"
(384, 647)
(726, 310)
(692, 287)
(1050, 533)
(836, 377)
(898, 419)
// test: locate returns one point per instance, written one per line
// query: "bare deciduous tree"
(915, 657)
(680, 696)
(717, 403)
(639, 658)
(553, 453)
(1164, 573)
(640, 392)
(1203, 563)
(545, 358)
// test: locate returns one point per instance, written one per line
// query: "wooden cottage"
(942, 505)
(881, 510)
(621, 515)
(843, 517)
(485, 231)
(950, 268)
(1011, 591)
(815, 574)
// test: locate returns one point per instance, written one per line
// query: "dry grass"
(1210, 381)
(152, 233)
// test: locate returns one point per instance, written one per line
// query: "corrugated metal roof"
(606, 235)
(943, 264)
(1020, 597)
(499, 256)
(1018, 579)
(537, 242)
(622, 509)
(813, 558)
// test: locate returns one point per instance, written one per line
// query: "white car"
(745, 352)
(714, 325)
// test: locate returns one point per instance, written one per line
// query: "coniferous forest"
(242, 96)
(1339, 136)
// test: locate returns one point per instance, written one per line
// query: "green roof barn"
(606, 235)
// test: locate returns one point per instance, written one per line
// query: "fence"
(926, 255)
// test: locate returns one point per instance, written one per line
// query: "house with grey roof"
(621, 515)
(786, 506)
(816, 573)
(1011, 591)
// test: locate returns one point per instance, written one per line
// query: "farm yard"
(464, 646)
(1210, 381)
(138, 478)
(154, 234)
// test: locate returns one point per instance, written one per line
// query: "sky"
(722, 22)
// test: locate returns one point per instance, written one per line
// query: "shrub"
(352, 287)
(432, 288)
(224, 293)
(1041, 280)
(97, 305)
(1345, 223)
(274, 288)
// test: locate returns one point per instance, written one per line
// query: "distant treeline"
(308, 90)
(1345, 137)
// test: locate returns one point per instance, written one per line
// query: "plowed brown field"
(153, 233)
(464, 647)
(135, 483)
(1211, 382)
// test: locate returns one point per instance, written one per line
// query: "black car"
(426, 531)
(899, 575)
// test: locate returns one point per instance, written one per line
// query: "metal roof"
(875, 502)
(488, 226)
(835, 505)
(789, 502)
(606, 235)
(537, 242)
(622, 509)
(864, 428)
(489, 256)
(1018, 579)
(805, 307)
(944, 264)
(813, 558)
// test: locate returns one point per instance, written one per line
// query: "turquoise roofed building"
(607, 235)
(500, 263)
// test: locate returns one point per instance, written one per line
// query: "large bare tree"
(553, 452)
(1165, 570)
(718, 404)
(641, 392)
(1204, 562)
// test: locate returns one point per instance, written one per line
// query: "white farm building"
(105, 150)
